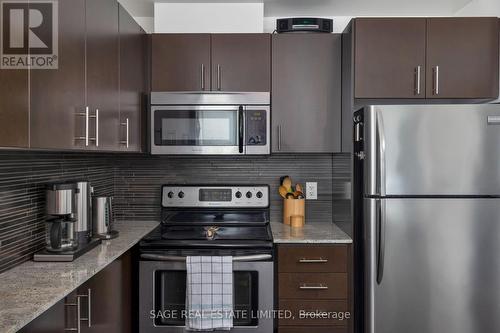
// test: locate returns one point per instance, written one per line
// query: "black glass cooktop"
(216, 217)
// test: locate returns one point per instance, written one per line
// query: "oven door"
(163, 295)
(197, 129)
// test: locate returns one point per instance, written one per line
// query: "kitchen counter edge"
(311, 233)
(28, 290)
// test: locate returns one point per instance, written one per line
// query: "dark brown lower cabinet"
(108, 296)
(315, 288)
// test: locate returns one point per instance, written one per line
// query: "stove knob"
(259, 194)
(170, 194)
(238, 194)
(249, 194)
(181, 194)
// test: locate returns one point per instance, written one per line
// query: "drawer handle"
(320, 286)
(313, 261)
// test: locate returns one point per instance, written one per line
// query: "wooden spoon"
(287, 183)
(282, 191)
(299, 188)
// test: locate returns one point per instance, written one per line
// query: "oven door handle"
(160, 257)
(240, 129)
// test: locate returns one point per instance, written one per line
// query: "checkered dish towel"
(209, 293)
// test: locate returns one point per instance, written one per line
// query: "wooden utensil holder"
(293, 207)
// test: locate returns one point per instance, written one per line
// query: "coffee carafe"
(61, 219)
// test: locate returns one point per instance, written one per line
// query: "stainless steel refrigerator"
(427, 218)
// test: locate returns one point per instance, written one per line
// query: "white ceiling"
(273, 8)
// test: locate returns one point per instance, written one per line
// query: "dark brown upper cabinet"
(14, 108)
(412, 58)
(306, 85)
(132, 81)
(217, 62)
(180, 62)
(241, 62)
(462, 58)
(103, 73)
(389, 58)
(57, 109)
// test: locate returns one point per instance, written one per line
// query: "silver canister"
(102, 217)
(61, 199)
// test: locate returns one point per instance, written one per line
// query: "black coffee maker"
(61, 219)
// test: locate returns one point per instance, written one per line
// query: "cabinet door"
(462, 57)
(306, 93)
(58, 95)
(132, 81)
(111, 298)
(103, 71)
(389, 60)
(180, 62)
(14, 108)
(61, 317)
(241, 62)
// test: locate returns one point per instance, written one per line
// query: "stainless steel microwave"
(209, 123)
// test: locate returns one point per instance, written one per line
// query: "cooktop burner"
(210, 217)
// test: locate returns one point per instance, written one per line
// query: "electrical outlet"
(311, 190)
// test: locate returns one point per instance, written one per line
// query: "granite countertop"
(318, 232)
(29, 289)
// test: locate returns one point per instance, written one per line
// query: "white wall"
(146, 22)
(208, 17)
(480, 8)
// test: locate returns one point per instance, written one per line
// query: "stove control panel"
(244, 196)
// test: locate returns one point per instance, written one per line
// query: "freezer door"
(432, 265)
(432, 150)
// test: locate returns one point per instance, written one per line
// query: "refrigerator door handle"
(381, 216)
(380, 134)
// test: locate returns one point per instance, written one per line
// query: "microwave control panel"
(256, 123)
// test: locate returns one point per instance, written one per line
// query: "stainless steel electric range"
(208, 220)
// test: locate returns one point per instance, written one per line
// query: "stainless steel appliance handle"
(418, 81)
(380, 133)
(89, 307)
(381, 216)
(279, 137)
(127, 134)
(320, 286)
(219, 77)
(202, 76)
(313, 261)
(240, 128)
(160, 257)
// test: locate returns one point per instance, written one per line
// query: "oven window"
(170, 297)
(196, 128)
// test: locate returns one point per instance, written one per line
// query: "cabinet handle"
(86, 137)
(126, 124)
(89, 307)
(319, 286)
(219, 77)
(418, 73)
(279, 137)
(96, 117)
(78, 305)
(202, 77)
(313, 261)
(436, 80)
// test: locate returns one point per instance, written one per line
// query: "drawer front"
(313, 285)
(312, 259)
(315, 313)
(315, 329)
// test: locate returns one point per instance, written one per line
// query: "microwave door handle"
(240, 129)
